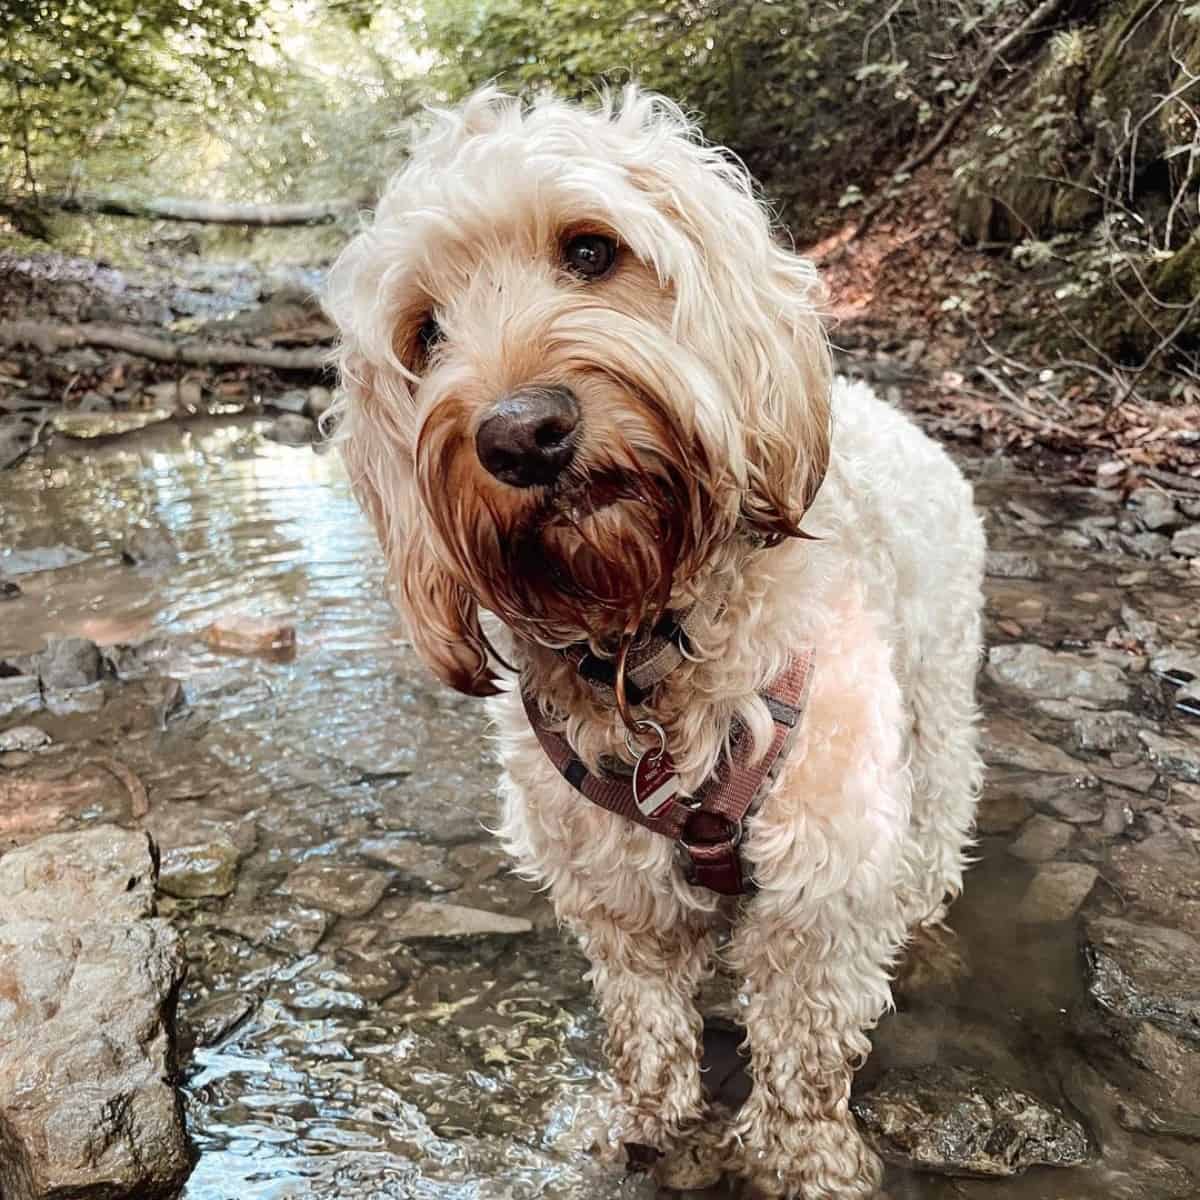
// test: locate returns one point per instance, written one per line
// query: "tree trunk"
(166, 208)
(48, 336)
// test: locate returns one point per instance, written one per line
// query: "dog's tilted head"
(574, 362)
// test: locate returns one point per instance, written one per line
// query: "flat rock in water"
(291, 429)
(346, 891)
(959, 1121)
(428, 919)
(68, 663)
(87, 997)
(40, 558)
(1056, 892)
(240, 634)
(1144, 972)
(1042, 672)
(149, 545)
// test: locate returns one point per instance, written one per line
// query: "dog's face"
(574, 361)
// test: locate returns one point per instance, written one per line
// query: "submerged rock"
(292, 429)
(19, 694)
(1056, 892)
(346, 891)
(69, 663)
(959, 1121)
(1034, 669)
(427, 919)
(149, 545)
(88, 986)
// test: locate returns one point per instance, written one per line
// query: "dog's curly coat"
(710, 428)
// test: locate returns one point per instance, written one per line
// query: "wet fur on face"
(700, 368)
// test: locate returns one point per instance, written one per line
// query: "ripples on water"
(348, 1060)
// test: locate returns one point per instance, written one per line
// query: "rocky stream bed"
(320, 944)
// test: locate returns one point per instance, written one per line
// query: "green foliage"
(77, 73)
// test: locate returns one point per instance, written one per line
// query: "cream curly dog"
(587, 394)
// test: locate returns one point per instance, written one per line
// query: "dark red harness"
(707, 826)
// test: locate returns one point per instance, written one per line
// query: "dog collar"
(651, 659)
(706, 827)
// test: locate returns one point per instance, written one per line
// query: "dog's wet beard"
(594, 557)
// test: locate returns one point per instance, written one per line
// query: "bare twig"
(1044, 12)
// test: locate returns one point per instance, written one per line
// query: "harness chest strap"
(707, 827)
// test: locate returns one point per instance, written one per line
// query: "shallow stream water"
(333, 1048)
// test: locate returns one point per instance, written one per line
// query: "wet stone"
(23, 738)
(427, 919)
(292, 429)
(415, 864)
(960, 1121)
(1145, 972)
(1145, 545)
(1056, 892)
(201, 869)
(87, 997)
(9, 590)
(69, 663)
(273, 924)
(1012, 564)
(293, 401)
(211, 1021)
(1001, 812)
(1042, 672)
(1041, 839)
(1107, 731)
(19, 694)
(1155, 510)
(1177, 756)
(149, 545)
(345, 891)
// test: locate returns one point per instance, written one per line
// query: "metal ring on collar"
(643, 726)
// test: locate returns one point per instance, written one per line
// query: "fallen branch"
(1044, 12)
(48, 337)
(166, 208)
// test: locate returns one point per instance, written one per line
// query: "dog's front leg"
(647, 956)
(815, 946)
(810, 990)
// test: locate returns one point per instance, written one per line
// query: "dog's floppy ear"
(441, 617)
(786, 374)
(748, 301)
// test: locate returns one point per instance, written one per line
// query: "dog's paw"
(697, 1161)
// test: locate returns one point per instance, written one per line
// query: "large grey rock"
(1145, 972)
(346, 891)
(1041, 672)
(88, 984)
(71, 662)
(1145, 983)
(959, 1121)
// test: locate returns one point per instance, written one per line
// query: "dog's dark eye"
(590, 255)
(428, 336)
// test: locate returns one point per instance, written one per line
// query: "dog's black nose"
(529, 438)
